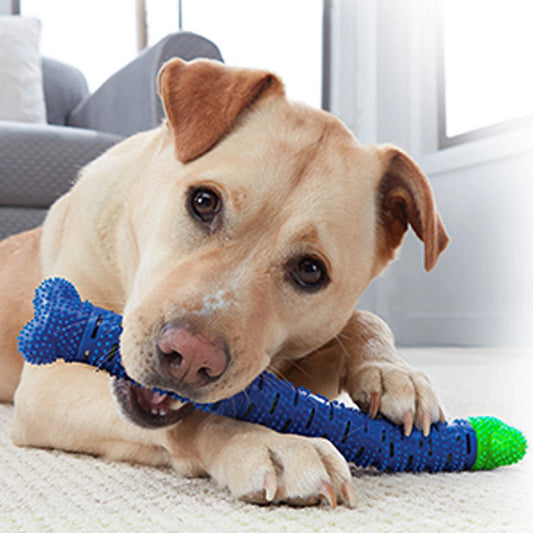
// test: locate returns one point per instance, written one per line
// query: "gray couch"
(38, 163)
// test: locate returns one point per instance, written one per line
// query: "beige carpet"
(53, 491)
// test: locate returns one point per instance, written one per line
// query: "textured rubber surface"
(498, 444)
(64, 327)
(67, 328)
(363, 441)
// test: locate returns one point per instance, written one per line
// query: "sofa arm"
(39, 163)
(128, 102)
(65, 87)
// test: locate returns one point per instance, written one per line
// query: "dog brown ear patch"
(406, 199)
(203, 98)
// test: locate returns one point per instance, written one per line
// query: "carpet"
(53, 491)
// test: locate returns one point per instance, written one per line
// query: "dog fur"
(292, 182)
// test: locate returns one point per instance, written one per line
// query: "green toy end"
(497, 443)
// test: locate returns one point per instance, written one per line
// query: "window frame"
(444, 140)
(426, 120)
(384, 100)
(327, 7)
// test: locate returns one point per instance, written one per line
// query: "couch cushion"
(39, 163)
(17, 219)
(21, 94)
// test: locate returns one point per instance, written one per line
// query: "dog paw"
(402, 394)
(265, 467)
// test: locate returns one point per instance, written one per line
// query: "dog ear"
(405, 197)
(203, 98)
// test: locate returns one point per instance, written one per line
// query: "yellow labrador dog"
(236, 237)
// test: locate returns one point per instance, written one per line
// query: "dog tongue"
(157, 398)
(149, 398)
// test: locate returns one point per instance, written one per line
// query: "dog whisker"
(344, 335)
(295, 364)
(343, 348)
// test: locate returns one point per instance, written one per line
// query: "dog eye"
(204, 204)
(308, 273)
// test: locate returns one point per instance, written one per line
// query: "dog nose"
(190, 357)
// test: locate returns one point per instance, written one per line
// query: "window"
(487, 80)
(162, 18)
(100, 36)
(279, 35)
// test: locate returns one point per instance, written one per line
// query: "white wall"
(481, 292)
(5, 7)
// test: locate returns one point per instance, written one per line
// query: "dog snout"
(190, 357)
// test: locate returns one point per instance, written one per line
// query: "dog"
(234, 238)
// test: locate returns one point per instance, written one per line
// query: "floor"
(55, 491)
(481, 381)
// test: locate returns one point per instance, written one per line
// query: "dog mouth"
(147, 408)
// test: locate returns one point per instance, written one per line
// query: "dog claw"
(270, 486)
(375, 400)
(348, 493)
(426, 423)
(408, 421)
(328, 494)
(442, 416)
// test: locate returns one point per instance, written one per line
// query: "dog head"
(257, 224)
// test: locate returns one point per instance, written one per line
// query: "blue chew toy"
(66, 328)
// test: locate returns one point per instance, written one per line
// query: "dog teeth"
(176, 405)
(158, 412)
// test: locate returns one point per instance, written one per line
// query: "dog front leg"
(380, 380)
(260, 465)
(70, 407)
(363, 361)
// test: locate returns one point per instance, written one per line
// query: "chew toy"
(66, 328)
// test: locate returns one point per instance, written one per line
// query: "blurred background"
(282, 35)
(449, 81)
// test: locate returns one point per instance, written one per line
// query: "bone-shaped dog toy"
(66, 328)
